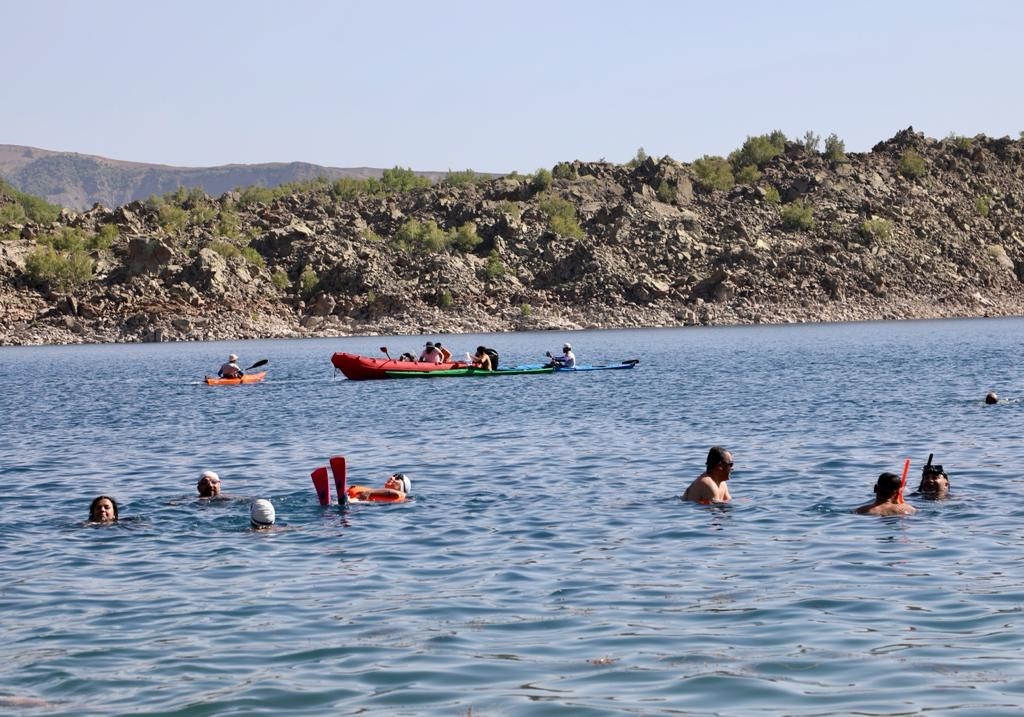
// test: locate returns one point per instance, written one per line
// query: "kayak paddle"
(261, 362)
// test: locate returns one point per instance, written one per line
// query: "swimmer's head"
(261, 513)
(888, 483)
(208, 485)
(991, 398)
(399, 481)
(933, 480)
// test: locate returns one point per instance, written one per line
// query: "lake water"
(546, 565)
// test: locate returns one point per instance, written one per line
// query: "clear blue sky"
(496, 86)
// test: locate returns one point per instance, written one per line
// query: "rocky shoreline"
(594, 246)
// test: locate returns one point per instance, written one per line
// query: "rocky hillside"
(79, 181)
(915, 228)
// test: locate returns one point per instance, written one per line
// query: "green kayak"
(513, 371)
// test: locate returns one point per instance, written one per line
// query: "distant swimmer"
(711, 486)
(208, 485)
(261, 514)
(991, 398)
(887, 492)
(934, 482)
(103, 509)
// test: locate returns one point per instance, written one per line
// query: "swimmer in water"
(887, 492)
(991, 398)
(262, 515)
(934, 482)
(208, 485)
(710, 486)
(103, 509)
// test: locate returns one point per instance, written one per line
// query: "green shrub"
(280, 280)
(771, 194)
(400, 179)
(541, 181)
(10, 236)
(202, 214)
(876, 229)
(446, 299)
(666, 192)
(106, 236)
(983, 204)
(565, 170)
(225, 249)
(525, 309)
(432, 239)
(714, 172)
(228, 225)
(811, 141)
(960, 142)
(912, 165)
(308, 281)
(514, 209)
(255, 195)
(748, 174)
(33, 208)
(370, 235)
(67, 239)
(835, 149)
(466, 238)
(639, 158)
(758, 150)
(495, 267)
(253, 257)
(371, 297)
(59, 269)
(465, 178)
(561, 216)
(797, 215)
(172, 218)
(12, 213)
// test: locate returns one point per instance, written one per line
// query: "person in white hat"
(231, 369)
(430, 353)
(262, 514)
(566, 360)
(208, 485)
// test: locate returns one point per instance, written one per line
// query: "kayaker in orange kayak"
(231, 369)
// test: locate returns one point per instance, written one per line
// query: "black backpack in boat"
(494, 357)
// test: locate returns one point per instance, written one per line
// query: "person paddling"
(887, 497)
(231, 369)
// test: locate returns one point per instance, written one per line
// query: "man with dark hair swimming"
(710, 486)
(887, 498)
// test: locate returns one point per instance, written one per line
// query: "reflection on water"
(546, 562)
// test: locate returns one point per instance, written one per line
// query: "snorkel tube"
(903, 480)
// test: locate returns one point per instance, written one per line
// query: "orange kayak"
(247, 378)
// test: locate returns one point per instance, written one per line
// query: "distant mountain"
(79, 181)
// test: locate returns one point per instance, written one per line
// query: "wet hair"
(888, 483)
(95, 504)
(715, 456)
(991, 398)
(480, 350)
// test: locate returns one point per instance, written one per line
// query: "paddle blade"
(340, 472)
(322, 485)
(261, 362)
(631, 362)
(383, 349)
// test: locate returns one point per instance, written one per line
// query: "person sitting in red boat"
(446, 355)
(396, 489)
(430, 354)
(231, 369)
